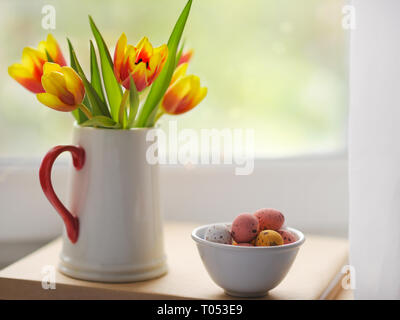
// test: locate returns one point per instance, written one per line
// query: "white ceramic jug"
(113, 231)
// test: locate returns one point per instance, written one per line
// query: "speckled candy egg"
(218, 233)
(287, 236)
(244, 228)
(269, 238)
(269, 219)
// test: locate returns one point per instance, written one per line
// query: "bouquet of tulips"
(140, 84)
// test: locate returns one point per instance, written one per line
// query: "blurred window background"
(274, 66)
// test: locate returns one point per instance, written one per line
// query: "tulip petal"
(185, 85)
(142, 62)
(129, 62)
(179, 72)
(201, 94)
(53, 49)
(33, 57)
(54, 102)
(33, 60)
(24, 77)
(74, 84)
(186, 57)
(162, 51)
(176, 96)
(30, 71)
(170, 102)
(157, 62)
(119, 55)
(54, 83)
(50, 66)
(154, 62)
(183, 95)
(144, 51)
(194, 85)
(139, 75)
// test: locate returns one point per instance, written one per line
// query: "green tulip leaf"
(162, 82)
(98, 106)
(95, 78)
(111, 85)
(179, 54)
(49, 58)
(133, 102)
(101, 122)
(77, 113)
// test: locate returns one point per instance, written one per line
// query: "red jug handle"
(78, 159)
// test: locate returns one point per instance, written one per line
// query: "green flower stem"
(154, 116)
(132, 116)
(85, 110)
(159, 114)
(122, 107)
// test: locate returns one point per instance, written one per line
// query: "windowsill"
(307, 279)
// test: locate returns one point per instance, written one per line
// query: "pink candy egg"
(269, 219)
(244, 228)
(287, 236)
(244, 244)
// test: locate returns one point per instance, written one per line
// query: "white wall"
(374, 149)
(311, 191)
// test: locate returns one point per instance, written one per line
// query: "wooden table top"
(319, 261)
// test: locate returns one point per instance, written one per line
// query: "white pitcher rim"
(77, 126)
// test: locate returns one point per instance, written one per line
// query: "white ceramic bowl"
(246, 271)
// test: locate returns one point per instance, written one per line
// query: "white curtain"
(374, 149)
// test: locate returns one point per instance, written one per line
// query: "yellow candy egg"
(269, 238)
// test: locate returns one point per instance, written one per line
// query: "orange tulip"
(186, 57)
(184, 92)
(143, 62)
(30, 71)
(64, 90)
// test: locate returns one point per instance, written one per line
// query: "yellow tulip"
(184, 92)
(186, 57)
(143, 62)
(29, 72)
(64, 90)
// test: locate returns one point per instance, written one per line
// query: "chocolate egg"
(269, 238)
(269, 219)
(218, 233)
(244, 228)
